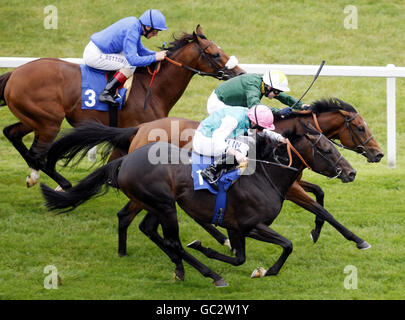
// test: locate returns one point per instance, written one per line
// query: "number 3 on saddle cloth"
(199, 163)
(93, 83)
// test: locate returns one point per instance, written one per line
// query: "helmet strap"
(146, 32)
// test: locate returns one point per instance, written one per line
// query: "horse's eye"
(361, 128)
(216, 55)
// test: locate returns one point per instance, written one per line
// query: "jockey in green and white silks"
(247, 90)
(216, 136)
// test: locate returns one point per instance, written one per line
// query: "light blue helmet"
(154, 19)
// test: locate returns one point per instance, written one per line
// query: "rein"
(219, 71)
(353, 135)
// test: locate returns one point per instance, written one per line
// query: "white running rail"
(390, 72)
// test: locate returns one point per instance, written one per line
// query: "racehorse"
(254, 201)
(44, 92)
(335, 118)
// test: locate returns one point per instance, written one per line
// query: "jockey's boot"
(109, 93)
(213, 172)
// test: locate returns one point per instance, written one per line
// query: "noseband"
(333, 164)
(360, 148)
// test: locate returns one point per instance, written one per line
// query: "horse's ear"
(198, 30)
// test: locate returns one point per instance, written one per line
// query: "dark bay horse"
(335, 118)
(254, 201)
(44, 92)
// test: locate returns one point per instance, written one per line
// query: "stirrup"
(109, 99)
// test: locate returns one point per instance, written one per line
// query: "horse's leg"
(315, 189)
(264, 233)
(308, 203)
(170, 228)
(125, 217)
(33, 157)
(320, 196)
(38, 153)
(149, 226)
(214, 232)
(297, 194)
(15, 133)
(238, 243)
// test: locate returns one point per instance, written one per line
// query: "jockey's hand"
(282, 139)
(161, 55)
(240, 157)
(285, 112)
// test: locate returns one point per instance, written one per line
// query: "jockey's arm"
(274, 136)
(289, 100)
(133, 51)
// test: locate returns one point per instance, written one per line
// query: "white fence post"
(391, 121)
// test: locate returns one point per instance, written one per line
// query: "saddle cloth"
(93, 83)
(199, 163)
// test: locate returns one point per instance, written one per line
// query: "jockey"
(119, 47)
(248, 89)
(212, 136)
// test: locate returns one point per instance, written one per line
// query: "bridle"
(360, 148)
(219, 72)
(333, 163)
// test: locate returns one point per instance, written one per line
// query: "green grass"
(83, 244)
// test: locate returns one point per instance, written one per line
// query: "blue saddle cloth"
(93, 83)
(199, 163)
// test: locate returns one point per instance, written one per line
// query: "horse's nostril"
(379, 156)
(352, 174)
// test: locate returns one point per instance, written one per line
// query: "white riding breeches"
(211, 147)
(214, 104)
(95, 58)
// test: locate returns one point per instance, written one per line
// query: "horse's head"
(353, 131)
(322, 156)
(205, 57)
(317, 151)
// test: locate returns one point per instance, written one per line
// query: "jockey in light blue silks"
(119, 47)
(215, 134)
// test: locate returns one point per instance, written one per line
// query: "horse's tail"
(86, 136)
(3, 81)
(96, 183)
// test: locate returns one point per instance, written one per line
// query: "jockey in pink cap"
(216, 136)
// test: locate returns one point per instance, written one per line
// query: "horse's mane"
(323, 105)
(185, 39)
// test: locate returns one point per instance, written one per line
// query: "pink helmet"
(261, 115)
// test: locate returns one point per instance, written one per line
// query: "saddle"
(93, 83)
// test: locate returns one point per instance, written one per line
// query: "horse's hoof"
(59, 189)
(30, 182)
(195, 244)
(122, 255)
(258, 273)
(227, 243)
(221, 283)
(314, 236)
(179, 275)
(363, 246)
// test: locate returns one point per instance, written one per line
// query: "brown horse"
(254, 201)
(44, 92)
(335, 118)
